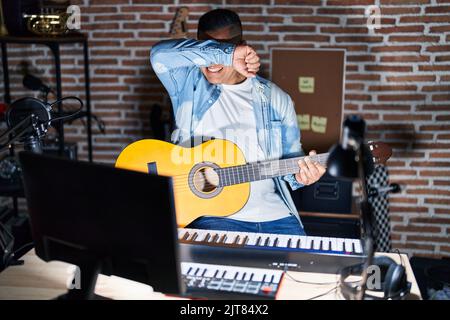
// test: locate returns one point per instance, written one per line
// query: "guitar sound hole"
(206, 180)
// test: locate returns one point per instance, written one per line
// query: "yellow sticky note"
(306, 84)
(319, 124)
(303, 121)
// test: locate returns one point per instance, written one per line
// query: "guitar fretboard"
(264, 170)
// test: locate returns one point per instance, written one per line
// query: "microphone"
(28, 120)
(34, 83)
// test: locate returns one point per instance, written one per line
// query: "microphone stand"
(32, 142)
(366, 222)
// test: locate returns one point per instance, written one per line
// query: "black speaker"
(13, 14)
(328, 195)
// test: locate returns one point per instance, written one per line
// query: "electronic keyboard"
(229, 282)
(265, 250)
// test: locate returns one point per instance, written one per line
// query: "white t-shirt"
(232, 118)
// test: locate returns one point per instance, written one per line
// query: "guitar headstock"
(381, 152)
(178, 29)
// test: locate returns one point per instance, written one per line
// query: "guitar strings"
(234, 175)
(182, 182)
(235, 169)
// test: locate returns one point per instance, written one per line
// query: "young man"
(215, 92)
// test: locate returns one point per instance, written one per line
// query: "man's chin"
(214, 80)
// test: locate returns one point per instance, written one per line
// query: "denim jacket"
(177, 64)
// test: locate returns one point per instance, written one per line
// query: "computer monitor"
(104, 220)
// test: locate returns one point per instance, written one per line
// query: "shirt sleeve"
(173, 59)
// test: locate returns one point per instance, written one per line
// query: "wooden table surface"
(37, 279)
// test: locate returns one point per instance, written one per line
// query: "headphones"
(393, 280)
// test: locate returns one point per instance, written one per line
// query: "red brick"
(350, 2)
(341, 11)
(413, 78)
(352, 30)
(399, 10)
(141, 9)
(396, 107)
(406, 48)
(437, 9)
(425, 19)
(394, 88)
(315, 19)
(403, 2)
(370, 39)
(401, 97)
(422, 238)
(441, 97)
(435, 48)
(400, 29)
(406, 117)
(299, 2)
(388, 68)
(437, 164)
(309, 38)
(289, 10)
(438, 201)
(363, 21)
(434, 107)
(292, 28)
(427, 229)
(413, 39)
(405, 59)
(434, 68)
(407, 182)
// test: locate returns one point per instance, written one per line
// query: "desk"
(37, 279)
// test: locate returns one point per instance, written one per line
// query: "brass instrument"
(53, 24)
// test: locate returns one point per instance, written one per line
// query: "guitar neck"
(264, 170)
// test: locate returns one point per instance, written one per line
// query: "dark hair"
(217, 19)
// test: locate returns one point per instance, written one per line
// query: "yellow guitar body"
(194, 196)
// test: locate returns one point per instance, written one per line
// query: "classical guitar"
(212, 178)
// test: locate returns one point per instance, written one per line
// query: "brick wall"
(398, 78)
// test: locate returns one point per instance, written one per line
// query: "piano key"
(186, 235)
(333, 244)
(207, 237)
(258, 275)
(358, 247)
(348, 244)
(283, 241)
(340, 244)
(316, 243)
(326, 244)
(223, 238)
(304, 243)
(193, 237)
(184, 268)
(210, 272)
(273, 239)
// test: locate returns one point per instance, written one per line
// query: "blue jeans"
(288, 225)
